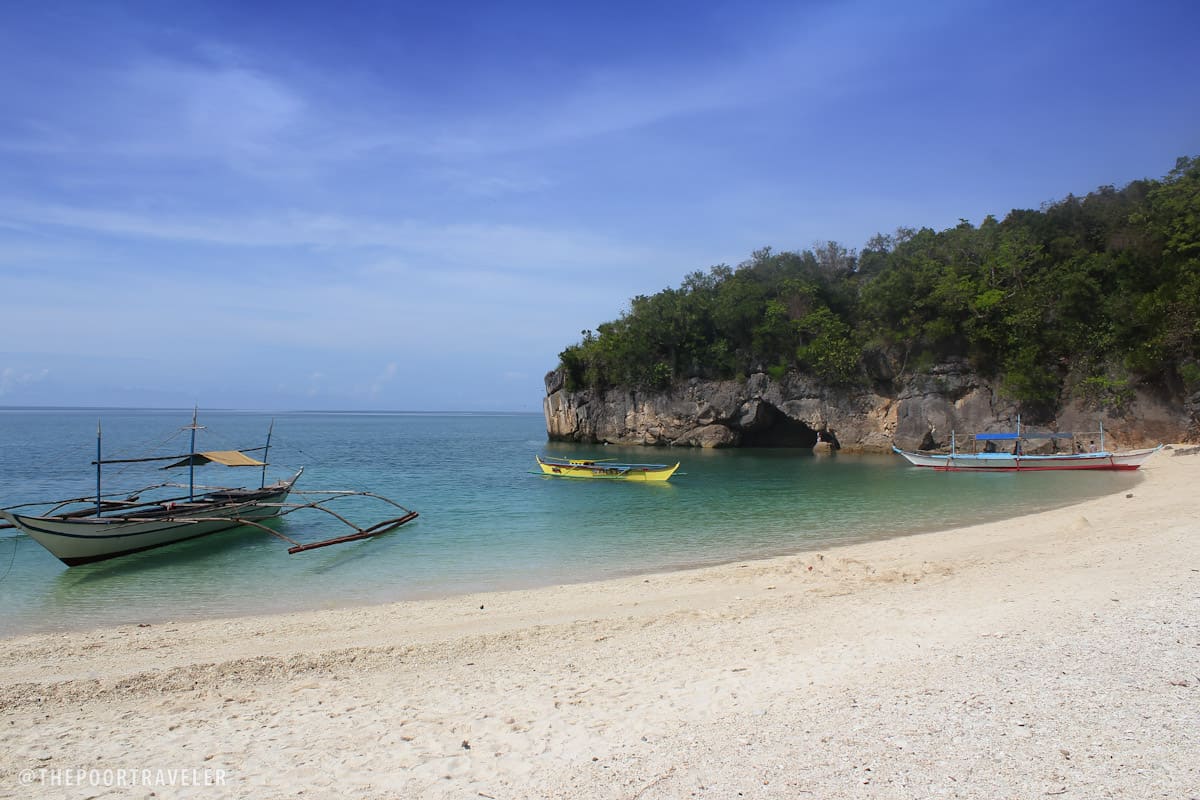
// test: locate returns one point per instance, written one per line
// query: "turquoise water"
(487, 522)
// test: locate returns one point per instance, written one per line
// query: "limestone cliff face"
(798, 411)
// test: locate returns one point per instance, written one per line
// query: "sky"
(406, 206)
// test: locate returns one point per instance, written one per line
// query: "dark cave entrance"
(775, 429)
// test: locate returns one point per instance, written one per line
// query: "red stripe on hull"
(1109, 467)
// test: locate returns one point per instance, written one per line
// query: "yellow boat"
(605, 469)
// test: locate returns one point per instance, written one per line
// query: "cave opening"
(776, 429)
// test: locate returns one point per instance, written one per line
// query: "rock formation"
(918, 412)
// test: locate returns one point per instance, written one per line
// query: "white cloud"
(383, 378)
(12, 379)
(220, 111)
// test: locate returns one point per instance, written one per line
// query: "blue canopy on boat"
(1027, 435)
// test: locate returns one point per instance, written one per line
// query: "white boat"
(121, 527)
(1018, 460)
(1129, 459)
(96, 528)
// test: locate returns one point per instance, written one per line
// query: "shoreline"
(527, 584)
(1049, 652)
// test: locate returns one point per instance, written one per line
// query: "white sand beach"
(1050, 656)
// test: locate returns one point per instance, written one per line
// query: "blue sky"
(416, 206)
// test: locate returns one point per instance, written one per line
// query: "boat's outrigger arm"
(360, 533)
(287, 508)
(363, 533)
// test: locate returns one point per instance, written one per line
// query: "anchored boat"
(1016, 459)
(107, 525)
(605, 469)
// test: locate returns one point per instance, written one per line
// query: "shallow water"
(487, 521)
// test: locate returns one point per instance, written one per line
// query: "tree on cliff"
(1085, 297)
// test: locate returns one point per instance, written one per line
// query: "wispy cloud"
(163, 109)
(224, 111)
(386, 376)
(249, 112)
(514, 247)
(12, 379)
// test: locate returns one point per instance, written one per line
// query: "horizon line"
(413, 412)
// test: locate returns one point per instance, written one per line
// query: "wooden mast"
(98, 436)
(266, 452)
(192, 456)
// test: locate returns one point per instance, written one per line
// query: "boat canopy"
(984, 437)
(230, 458)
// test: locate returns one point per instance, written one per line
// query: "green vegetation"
(1087, 297)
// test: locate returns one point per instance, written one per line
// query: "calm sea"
(487, 522)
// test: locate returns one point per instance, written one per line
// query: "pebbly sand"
(1056, 655)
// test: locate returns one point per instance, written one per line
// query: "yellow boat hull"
(601, 470)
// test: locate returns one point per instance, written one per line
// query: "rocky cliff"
(798, 411)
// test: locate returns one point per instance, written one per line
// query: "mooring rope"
(12, 558)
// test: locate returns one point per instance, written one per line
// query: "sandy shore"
(1056, 655)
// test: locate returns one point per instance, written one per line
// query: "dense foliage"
(1086, 297)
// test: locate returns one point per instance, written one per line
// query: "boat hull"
(647, 473)
(1005, 462)
(76, 541)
